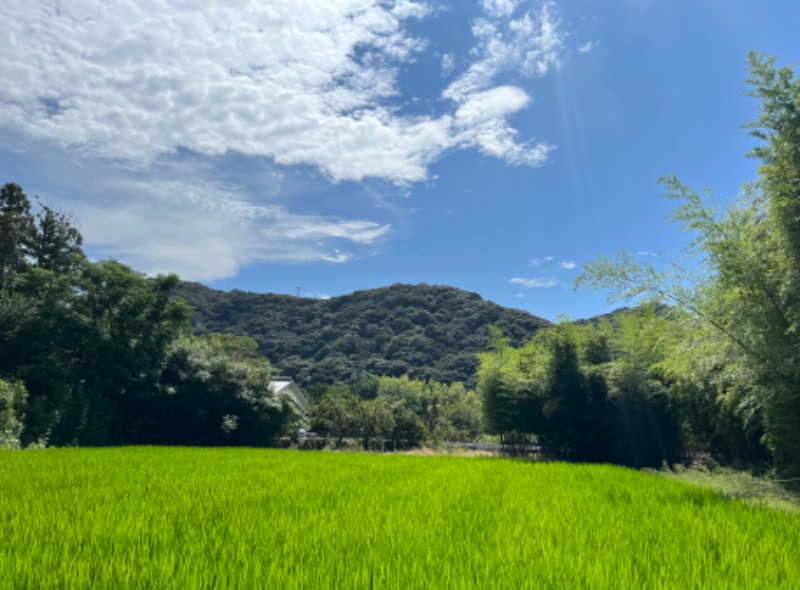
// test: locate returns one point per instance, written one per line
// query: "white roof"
(288, 386)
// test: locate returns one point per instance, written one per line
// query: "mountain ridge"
(425, 331)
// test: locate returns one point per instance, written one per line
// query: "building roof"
(286, 385)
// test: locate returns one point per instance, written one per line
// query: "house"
(286, 385)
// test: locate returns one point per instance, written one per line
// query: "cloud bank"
(313, 83)
(300, 82)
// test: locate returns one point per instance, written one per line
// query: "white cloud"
(448, 64)
(297, 81)
(541, 261)
(567, 265)
(537, 283)
(500, 8)
(152, 101)
(490, 105)
(181, 217)
(588, 47)
(529, 45)
(481, 121)
(214, 235)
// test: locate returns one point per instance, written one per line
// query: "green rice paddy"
(246, 518)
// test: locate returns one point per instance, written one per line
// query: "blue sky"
(332, 146)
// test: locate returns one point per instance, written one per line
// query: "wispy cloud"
(536, 283)
(448, 64)
(217, 234)
(588, 47)
(184, 217)
(541, 261)
(546, 265)
(527, 44)
(551, 262)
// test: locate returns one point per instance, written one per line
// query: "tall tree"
(575, 421)
(511, 384)
(17, 233)
(336, 412)
(57, 243)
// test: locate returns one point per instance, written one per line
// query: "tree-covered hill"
(425, 331)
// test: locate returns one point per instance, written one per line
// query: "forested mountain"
(424, 331)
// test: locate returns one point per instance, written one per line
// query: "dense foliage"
(249, 518)
(95, 353)
(738, 361)
(587, 392)
(425, 332)
(12, 402)
(396, 412)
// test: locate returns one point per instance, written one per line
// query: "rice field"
(246, 518)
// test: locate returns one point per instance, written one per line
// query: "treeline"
(430, 333)
(94, 353)
(618, 390)
(393, 413)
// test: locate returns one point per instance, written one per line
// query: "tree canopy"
(586, 392)
(431, 333)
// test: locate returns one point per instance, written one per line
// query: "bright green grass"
(758, 491)
(209, 518)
